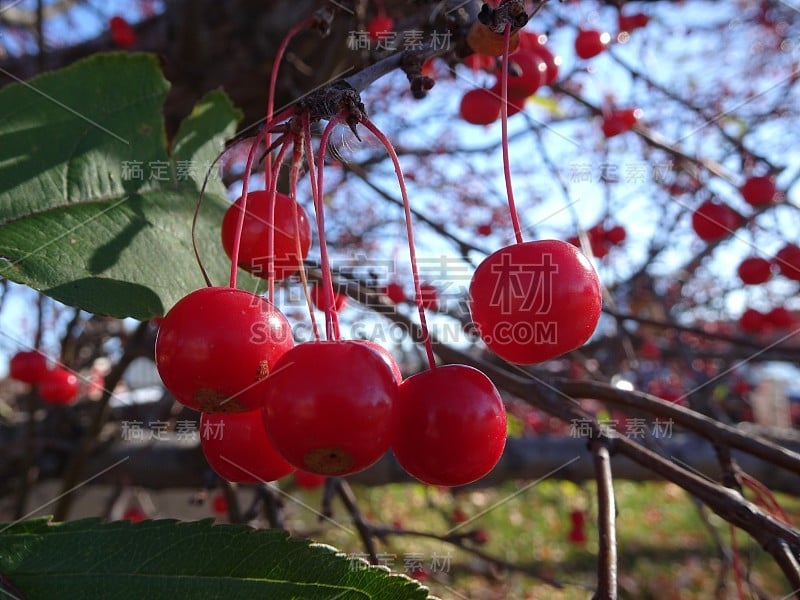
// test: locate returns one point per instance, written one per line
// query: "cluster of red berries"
(714, 220)
(55, 386)
(534, 66)
(754, 321)
(602, 239)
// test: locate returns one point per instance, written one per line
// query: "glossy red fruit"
(534, 301)
(379, 27)
(754, 270)
(788, 261)
(535, 43)
(759, 191)
(532, 74)
(308, 481)
(328, 407)
(134, 515)
(216, 344)
(632, 22)
(219, 504)
(752, 321)
(317, 297)
(122, 34)
(387, 357)
(713, 220)
(253, 250)
(620, 121)
(394, 291)
(450, 425)
(238, 449)
(590, 42)
(28, 367)
(616, 235)
(480, 107)
(58, 386)
(780, 318)
(429, 296)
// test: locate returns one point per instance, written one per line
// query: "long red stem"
(273, 76)
(512, 207)
(237, 237)
(305, 140)
(426, 338)
(273, 197)
(331, 320)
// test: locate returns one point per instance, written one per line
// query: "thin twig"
(606, 516)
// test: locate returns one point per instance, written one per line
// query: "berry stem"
(273, 193)
(426, 338)
(303, 139)
(512, 207)
(237, 238)
(331, 320)
(273, 77)
(737, 567)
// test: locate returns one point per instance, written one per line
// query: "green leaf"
(89, 559)
(94, 211)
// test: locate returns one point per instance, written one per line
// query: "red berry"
(780, 318)
(484, 230)
(253, 250)
(758, 191)
(134, 515)
(28, 367)
(533, 73)
(616, 235)
(458, 516)
(58, 386)
(577, 534)
(634, 21)
(788, 261)
(219, 504)
(429, 296)
(650, 350)
(419, 573)
(590, 42)
(620, 121)
(534, 301)
(379, 26)
(450, 427)
(238, 449)
(754, 270)
(752, 321)
(122, 34)
(317, 297)
(481, 536)
(216, 344)
(328, 407)
(480, 107)
(308, 481)
(394, 291)
(534, 43)
(714, 220)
